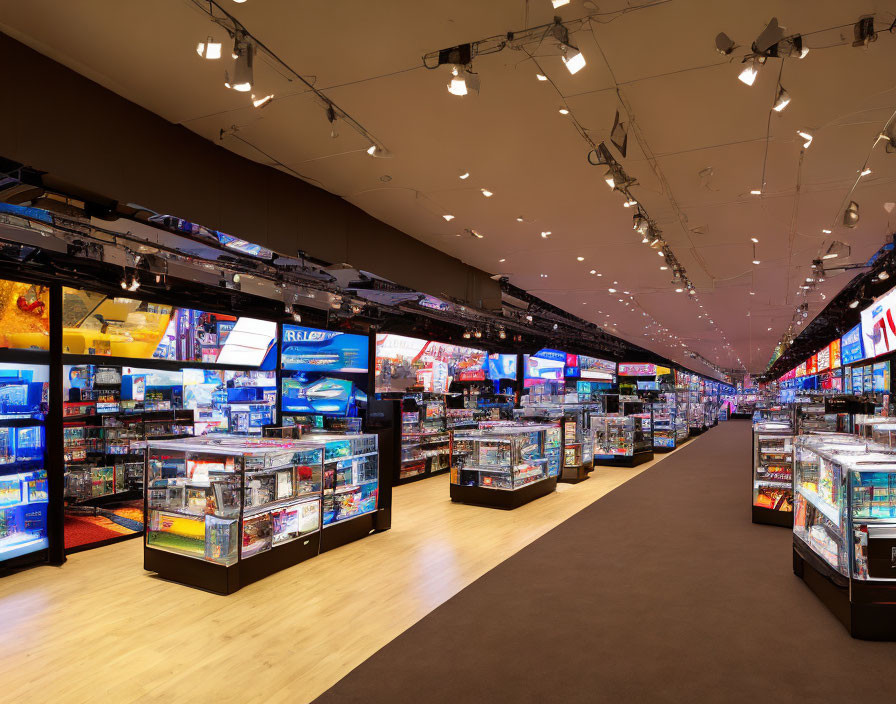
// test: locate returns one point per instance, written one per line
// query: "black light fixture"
(851, 215)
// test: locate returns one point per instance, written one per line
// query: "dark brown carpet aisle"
(662, 591)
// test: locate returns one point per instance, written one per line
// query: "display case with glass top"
(577, 455)
(670, 424)
(773, 473)
(226, 511)
(502, 466)
(844, 530)
(621, 440)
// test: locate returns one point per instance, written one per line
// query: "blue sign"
(313, 350)
(553, 355)
(857, 374)
(501, 366)
(851, 346)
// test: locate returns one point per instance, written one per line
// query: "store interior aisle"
(661, 591)
(101, 627)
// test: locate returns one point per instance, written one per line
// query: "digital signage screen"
(586, 367)
(880, 378)
(312, 350)
(857, 376)
(502, 366)
(851, 348)
(402, 363)
(835, 354)
(543, 366)
(824, 359)
(879, 326)
(630, 369)
(812, 365)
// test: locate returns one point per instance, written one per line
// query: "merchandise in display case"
(670, 421)
(623, 439)
(773, 473)
(223, 512)
(844, 530)
(425, 443)
(503, 466)
(24, 494)
(575, 446)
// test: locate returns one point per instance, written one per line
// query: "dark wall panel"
(92, 141)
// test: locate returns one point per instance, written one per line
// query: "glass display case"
(213, 505)
(424, 437)
(621, 440)
(670, 421)
(773, 455)
(577, 450)
(844, 530)
(502, 466)
(24, 495)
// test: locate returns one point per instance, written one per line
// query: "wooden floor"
(99, 628)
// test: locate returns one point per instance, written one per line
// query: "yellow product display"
(24, 316)
(193, 528)
(115, 327)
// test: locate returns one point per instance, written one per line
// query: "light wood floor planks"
(101, 629)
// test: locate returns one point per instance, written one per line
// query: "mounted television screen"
(404, 363)
(312, 350)
(543, 366)
(594, 368)
(502, 366)
(880, 378)
(648, 386)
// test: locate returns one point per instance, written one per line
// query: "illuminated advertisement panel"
(631, 369)
(835, 354)
(879, 326)
(312, 350)
(543, 366)
(402, 363)
(824, 359)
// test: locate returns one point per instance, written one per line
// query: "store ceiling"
(697, 140)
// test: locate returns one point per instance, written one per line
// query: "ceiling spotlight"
(749, 73)
(466, 334)
(476, 234)
(487, 193)
(664, 268)
(463, 80)
(593, 271)
(464, 175)
(564, 111)
(611, 290)
(449, 218)
(640, 224)
(573, 59)
(297, 317)
(501, 333)
(805, 135)
(679, 290)
(243, 68)
(782, 100)
(754, 240)
(827, 232)
(756, 192)
(546, 234)
(610, 178)
(883, 276)
(854, 304)
(630, 203)
(865, 171)
(541, 77)
(520, 219)
(851, 215)
(692, 292)
(559, 3)
(724, 44)
(262, 101)
(477, 334)
(209, 49)
(756, 261)
(378, 152)
(580, 259)
(135, 283)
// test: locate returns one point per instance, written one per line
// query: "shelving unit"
(773, 457)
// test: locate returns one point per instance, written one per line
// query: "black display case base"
(661, 450)
(500, 498)
(222, 579)
(771, 517)
(336, 535)
(866, 609)
(417, 477)
(617, 461)
(574, 475)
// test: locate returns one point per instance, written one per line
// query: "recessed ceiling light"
(580, 259)
(755, 192)
(501, 261)
(519, 219)
(755, 261)
(544, 276)
(564, 111)
(752, 293)
(449, 218)
(866, 171)
(546, 234)
(663, 268)
(611, 290)
(487, 193)
(679, 290)
(541, 77)
(755, 240)
(827, 232)
(593, 271)
(465, 174)
(626, 293)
